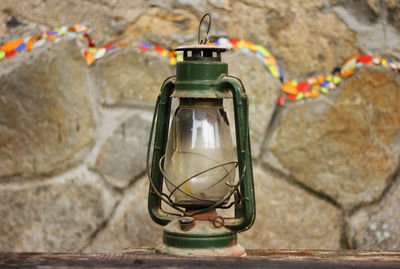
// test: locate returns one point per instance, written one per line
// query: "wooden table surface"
(145, 258)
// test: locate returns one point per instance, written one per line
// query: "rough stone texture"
(262, 89)
(12, 27)
(375, 23)
(378, 227)
(129, 74)
(45, 115)
(131, 225)
(163, 22)
(346, 147)
(108, 19)
(307, 222)
(57, 216)
(317, 226)
(332, 156)
(122, 157)
(394, 13)
(305, 37)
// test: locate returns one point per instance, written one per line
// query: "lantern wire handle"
(205, 41)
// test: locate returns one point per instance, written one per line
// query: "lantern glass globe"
(200, 158)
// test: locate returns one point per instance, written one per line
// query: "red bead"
(364, 58)
(303, 87)
(143, 48)
(234, 41)
(281, 99)
(10, 53)
(109, 45)
(89, 41)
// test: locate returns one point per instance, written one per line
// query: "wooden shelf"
(145, 258)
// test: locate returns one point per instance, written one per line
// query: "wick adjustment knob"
(186, 223)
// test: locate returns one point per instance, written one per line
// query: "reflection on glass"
(200, 140)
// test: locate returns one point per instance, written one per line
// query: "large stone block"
(131, 75)
(375, 24)
(131, 225)
(345, 146)
(55, 217)
(377, 227)
(307, 222)
(108, 19)
(163, 22)
(45, 113)
(289, 217)
(123, 156)
(262, 89)
(306, 37)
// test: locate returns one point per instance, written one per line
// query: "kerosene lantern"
(196, 169)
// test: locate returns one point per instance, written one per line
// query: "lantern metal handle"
(245, 213)
(162, 113)
(206, 40)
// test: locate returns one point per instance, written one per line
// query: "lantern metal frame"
(200, 76)
(244, 200)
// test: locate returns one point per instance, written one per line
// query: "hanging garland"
(9, 49)
(312, 87)
(292, 89)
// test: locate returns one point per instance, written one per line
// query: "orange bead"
(9, 46)
(89, 58)
(348, 73)
(29, 44)
(270, 60)
(289, 88)
(314, 93)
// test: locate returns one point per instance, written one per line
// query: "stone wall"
(73, 138)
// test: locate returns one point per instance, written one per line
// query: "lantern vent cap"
(203, 51)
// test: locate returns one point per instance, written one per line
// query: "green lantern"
(196, 168)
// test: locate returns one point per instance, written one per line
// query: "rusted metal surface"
(144, 258)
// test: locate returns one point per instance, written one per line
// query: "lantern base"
(201, 238)
(232, 251)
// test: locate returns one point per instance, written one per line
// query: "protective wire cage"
(168, 197)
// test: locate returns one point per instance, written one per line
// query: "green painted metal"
(245, 211)
(201, 102)
(203, 235)
(204, 79)
(162, 112)
(200, 79)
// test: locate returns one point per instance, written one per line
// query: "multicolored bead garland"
(95, 53)
(292, 89)
(261, 52)
(312, 87)
(91, 53)
(9, 49)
